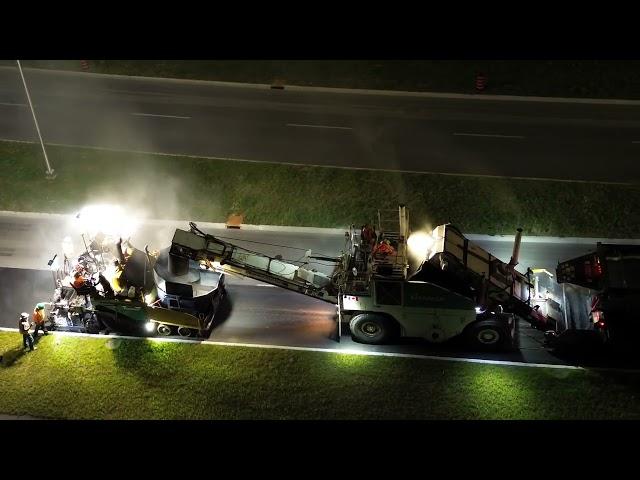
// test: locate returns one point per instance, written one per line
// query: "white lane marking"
(162, 116)
(367, 169)
(339, 351)
(317, 126)
(264, 285)
(487, 135)
(13, 104)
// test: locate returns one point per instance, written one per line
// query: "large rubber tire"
(372, 329)
(107, 320)
(185, 332)
(488, 336)
(163, 330)
(94, 325)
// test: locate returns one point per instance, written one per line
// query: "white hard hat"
(24, 315)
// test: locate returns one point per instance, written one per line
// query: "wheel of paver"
(106, 320)
(184, 332)
(371, 328)
(163, 330)
(488, 336)
(92, 326)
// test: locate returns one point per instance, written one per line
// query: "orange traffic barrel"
(481, 82)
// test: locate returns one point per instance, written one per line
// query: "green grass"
(208, 190)
(579, 78)
(83, 378)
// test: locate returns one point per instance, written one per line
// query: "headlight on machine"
(150, 326)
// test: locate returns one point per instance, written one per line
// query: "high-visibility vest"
(38, 316)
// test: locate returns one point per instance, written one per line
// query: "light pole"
(50, 174)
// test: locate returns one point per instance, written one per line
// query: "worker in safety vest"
(78, 280)
(38, 319)
(24, 325)
(384, 248)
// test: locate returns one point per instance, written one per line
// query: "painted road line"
(161, 116)
(264, 285)
(13, 104)
(486, 135)
(317, 126)
(366, 169)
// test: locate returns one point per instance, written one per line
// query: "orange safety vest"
(384, 248)
(78, 282)
(38, 316)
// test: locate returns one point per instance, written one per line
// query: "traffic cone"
(278, 84)
(235, 220)
(84, 65)
(481, 82)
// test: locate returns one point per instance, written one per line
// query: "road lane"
(258, 314)
(523, 139)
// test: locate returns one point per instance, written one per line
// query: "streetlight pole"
(50, 174)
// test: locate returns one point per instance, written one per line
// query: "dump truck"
(594, 296)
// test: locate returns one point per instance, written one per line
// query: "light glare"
(419, 244)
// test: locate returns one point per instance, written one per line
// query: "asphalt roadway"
(450, 135)
(257, 313)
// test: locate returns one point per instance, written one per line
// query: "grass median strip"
(87, 378)
(178, 187)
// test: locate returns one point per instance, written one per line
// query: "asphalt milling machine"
(452, 291)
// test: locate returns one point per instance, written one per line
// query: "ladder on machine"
(393, 225)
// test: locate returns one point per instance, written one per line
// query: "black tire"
(163, 330)
(94, 325)
(185, 332)
(371, 328)
(106, 320)
(488, 336)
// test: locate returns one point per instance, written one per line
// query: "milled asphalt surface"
(450, 135)
(258, 313)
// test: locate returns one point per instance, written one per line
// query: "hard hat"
(39, 306)
(24, 316)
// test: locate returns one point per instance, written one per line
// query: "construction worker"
(78, 281)
(368, 236)
(38, 320)
(24, 325)
(384, 248)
